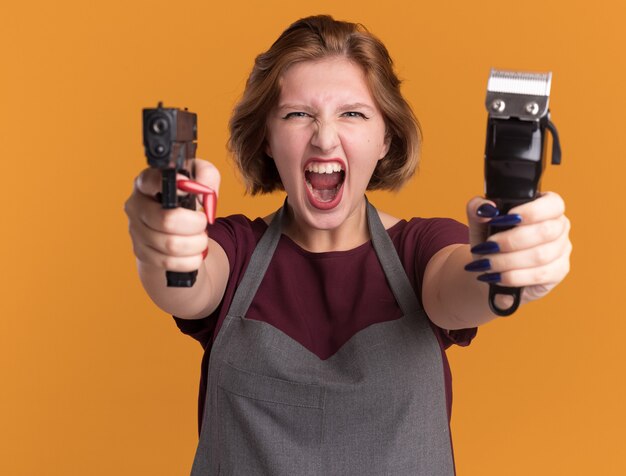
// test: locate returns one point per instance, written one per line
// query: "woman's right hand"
(176, 240)
(168, 239)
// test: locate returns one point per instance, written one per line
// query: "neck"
(351, 233)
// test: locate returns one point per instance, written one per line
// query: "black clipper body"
(169, 139)
(515, 149)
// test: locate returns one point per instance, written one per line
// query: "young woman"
(325, 324)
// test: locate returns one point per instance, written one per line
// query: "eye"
(354, 114)
(295, 114)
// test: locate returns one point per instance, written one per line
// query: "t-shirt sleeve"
(199, 329)
(421, 240)
(226, 232)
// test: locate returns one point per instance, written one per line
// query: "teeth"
(324, 168)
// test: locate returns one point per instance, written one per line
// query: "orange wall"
(97, 381)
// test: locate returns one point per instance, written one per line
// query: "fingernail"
(478, 265)
(210, 206)
(490, 278)
(485, 248)
(193, 187)
(506, 220)
(205, 253)
(487, 210)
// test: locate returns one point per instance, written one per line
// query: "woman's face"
(326, 136)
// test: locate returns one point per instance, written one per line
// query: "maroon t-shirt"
(322, 299)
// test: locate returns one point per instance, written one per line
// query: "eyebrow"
(357, 105)
(343, 107)
(299, 107)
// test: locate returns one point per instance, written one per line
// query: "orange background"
(95, 380)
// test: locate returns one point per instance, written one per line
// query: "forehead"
(335, 78)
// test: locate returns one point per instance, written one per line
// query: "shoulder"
(423, 236)
(236, 233)
(237, 225)
(444, 230)
(398, 227)
(419, 239)
(387, 220)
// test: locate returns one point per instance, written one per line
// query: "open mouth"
(324, 181)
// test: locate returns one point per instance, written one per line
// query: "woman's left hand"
(533, 255)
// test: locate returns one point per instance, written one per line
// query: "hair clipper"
(515, 150)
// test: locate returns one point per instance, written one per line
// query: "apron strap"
(259, 262)
(391, 264)
(383, 246)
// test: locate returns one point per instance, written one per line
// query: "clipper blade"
(518, 94)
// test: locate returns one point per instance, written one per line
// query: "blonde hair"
(309, 39)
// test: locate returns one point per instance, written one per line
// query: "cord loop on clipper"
(515, 293)
(556, 143)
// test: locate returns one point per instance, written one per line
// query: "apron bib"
(376, 407)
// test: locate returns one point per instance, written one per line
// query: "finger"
(148, 182)
(176, 221)
(168, 244)
(479, 212)
(536, 256)
(548, 206)
(137, 202)
(549, 274)
(546, 275)
(207, 174)
(154, 258)
(528, 236)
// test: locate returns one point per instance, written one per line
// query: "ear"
(386, 146)
(268, 150)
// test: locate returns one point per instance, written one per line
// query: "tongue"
(324, 181)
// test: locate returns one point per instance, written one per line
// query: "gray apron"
(376, 407)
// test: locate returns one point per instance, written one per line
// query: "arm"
(176, 240)
(534, 255)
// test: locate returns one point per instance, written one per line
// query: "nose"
(325, 137)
